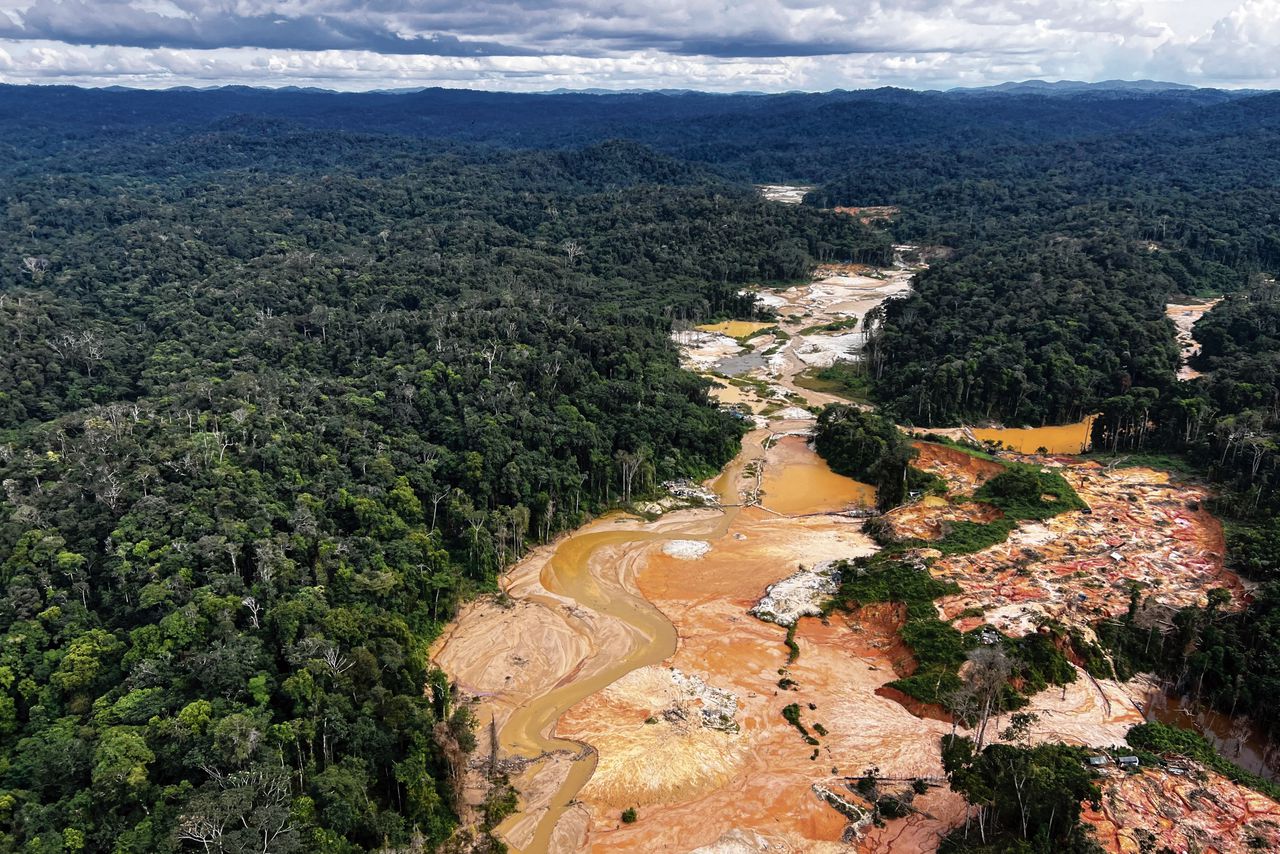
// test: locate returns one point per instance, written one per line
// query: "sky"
(712, 45)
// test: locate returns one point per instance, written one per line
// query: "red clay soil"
(929, 519)
(759, 778)
(1199, 810)
(964, 473)
(1077, 567)
(932, 711)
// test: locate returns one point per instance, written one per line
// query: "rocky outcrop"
(718, 705)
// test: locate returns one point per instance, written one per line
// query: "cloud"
(1242, 46)
(708, 44)
(589, 27)
(204, 25)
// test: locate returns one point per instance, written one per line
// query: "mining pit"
(645, 663)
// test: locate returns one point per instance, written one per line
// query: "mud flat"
(597, 616)
(767, 788)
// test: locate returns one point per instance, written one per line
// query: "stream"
(527, 731)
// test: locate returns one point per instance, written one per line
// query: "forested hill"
(268, 415)
(810, 138)
(1064, 254)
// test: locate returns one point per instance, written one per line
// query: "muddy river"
(527, 731)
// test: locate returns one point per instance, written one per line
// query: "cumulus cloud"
(1241, 47)
(708, 44)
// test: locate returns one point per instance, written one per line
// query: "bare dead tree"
(35, 266)
(254, 609)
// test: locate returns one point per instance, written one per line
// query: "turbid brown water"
(1057, 439)
(798, 481)
(734, 328)
(527, 731)
(1235, 738)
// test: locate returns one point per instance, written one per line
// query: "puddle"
(736, 366)
(1058, 439)
(734, 328)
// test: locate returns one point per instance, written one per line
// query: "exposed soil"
(623, 669)
(1198, 810)
(964, 473)
(1077, 567)
(869, 214)
(930, 518)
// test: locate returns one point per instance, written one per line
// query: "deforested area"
(460, 471)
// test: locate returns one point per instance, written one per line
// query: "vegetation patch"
(967, 447)
(1032, 662)
(792, 715)
(842, 379)
(793, 648)
(1028, 799)
(1021, 492)
(844, 325)
(939, 649)
(1026, 491)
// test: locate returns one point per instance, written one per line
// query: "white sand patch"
(793, 413)
(823, 351)
(798, 595)
(702, 351)
(686, 549)
(788, 194)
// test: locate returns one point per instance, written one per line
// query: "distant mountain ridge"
(1058, 87)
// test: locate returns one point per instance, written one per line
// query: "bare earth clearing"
(625, 670)
(1184, 316)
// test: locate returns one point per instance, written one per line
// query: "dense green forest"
(262, 429)
(1022, 799)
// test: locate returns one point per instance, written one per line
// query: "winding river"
(527, 731)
